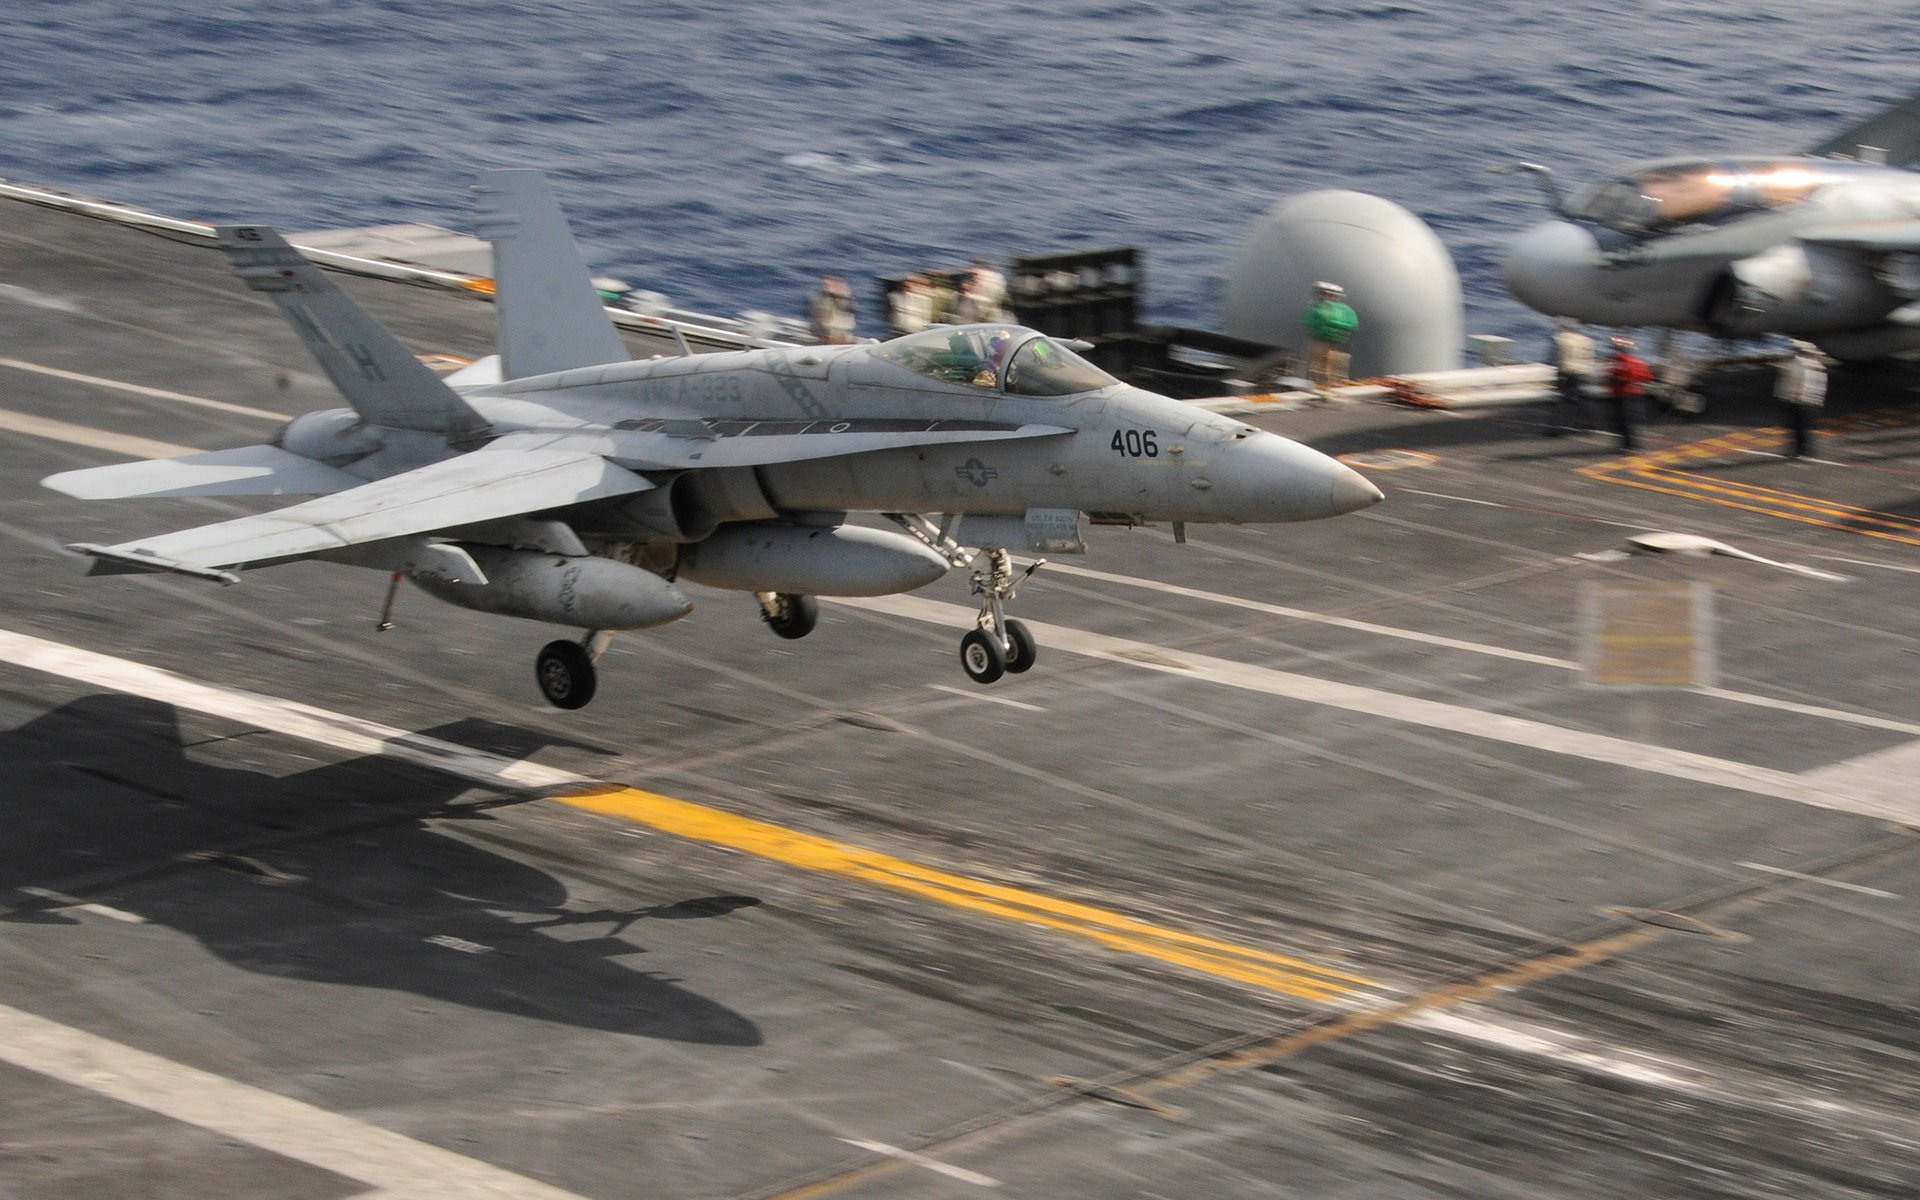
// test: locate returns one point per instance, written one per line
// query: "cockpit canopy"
(1667, 195)
(992, 357)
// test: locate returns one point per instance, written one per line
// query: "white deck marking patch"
(397, 1165)
(1895, 802)
(942, 687)
(1842, 884)
(931, 1164)
(1632, 1066)
(152, 393)
(76, 904)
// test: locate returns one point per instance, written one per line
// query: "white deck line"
(93, 439)
(1866, 720)
(1889, 803)
(396, 1165)
(138, 389)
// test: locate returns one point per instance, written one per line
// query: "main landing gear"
(1000, 644)
(787, 614)
(565, 670)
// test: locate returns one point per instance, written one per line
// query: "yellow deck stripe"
(1759, 507)
(1785, 499)
(1661, 471)
(356, 735)
(1259, 968)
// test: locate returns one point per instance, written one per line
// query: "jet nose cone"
(1352, 492)
(1266, 477)
(1549, 267)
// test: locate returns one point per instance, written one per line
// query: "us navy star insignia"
(977, 473)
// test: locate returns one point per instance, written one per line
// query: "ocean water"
(727, 152)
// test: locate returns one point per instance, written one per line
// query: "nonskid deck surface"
(1309, 860)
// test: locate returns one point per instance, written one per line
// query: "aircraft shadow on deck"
(332, 875)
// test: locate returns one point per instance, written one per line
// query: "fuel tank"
(810, 560)
(582, 590)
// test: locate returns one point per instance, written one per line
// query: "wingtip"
(112, 560)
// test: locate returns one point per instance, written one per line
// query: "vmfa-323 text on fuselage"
(563, 482)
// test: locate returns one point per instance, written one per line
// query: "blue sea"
(725, 153)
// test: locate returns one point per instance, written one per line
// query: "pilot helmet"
(1329, 289)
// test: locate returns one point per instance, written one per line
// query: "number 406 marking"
(1136, 443)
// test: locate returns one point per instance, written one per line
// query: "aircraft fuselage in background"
(1812, 248)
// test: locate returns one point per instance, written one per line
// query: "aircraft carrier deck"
(1447, 849)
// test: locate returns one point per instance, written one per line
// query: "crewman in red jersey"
(1627, 378)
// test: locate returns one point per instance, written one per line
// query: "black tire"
(1021, 650)
(798, 616)
(565, 674)
(981, 657)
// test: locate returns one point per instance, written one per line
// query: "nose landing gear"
(1000, 644)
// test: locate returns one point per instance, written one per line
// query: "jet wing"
(247, 471)
(482, 486)
(669, 445)
(1879, 237)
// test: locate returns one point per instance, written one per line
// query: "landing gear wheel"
(566, 674)
(1021, 650)
(981, 657)
(796, 615)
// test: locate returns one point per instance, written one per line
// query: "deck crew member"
(990, 288)
(1572, 372)
(912, 306)
(830, 311)
(1627, 378)
(1330, 323)
(1801, 386)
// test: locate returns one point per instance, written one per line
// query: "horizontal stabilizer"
(380, 378)
(551, 316)
(485, 485)
(1890, 136)
(246, 471)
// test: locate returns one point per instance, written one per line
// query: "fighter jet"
(562, 481)
(1824, 246)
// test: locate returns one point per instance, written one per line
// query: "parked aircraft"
(563, 482)
(1823, 246)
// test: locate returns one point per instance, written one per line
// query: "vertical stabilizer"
(551, 316)
(382, 379)
(1890, 136)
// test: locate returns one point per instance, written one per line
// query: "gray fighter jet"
(1824, 246)
(562, 481)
